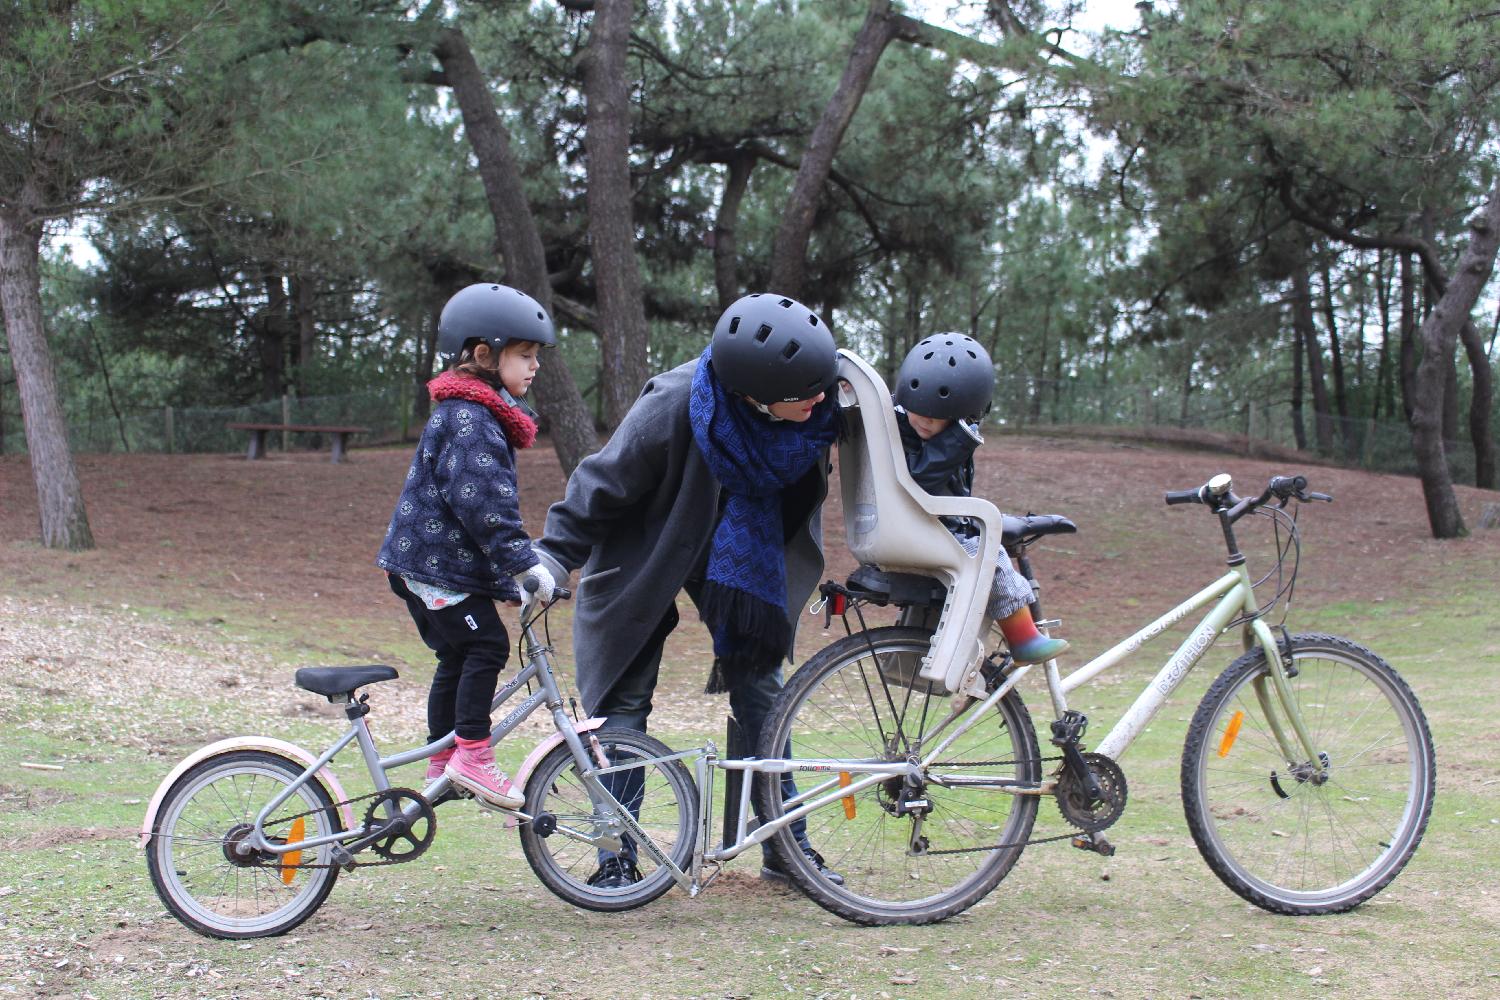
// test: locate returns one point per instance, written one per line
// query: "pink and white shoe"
(435, 765)
(473, 769)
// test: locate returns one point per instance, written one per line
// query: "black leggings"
(471, 646)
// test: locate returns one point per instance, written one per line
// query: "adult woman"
(713, 483)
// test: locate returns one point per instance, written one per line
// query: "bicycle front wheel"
(563, 849)
(212, 887)
(860, 699)
(1300, 835)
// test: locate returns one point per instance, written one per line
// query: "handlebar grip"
(561, 593)
(1175, 497)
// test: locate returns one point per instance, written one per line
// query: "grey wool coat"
(647, 505)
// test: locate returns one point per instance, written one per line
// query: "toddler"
(942, 391)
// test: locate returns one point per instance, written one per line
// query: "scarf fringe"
(759, 630)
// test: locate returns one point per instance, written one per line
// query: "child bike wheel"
(660, 793)
(1291, 836)
(212, 888)
(859, 699)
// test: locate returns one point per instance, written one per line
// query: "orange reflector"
(1230, 732)
(292, 858)
(848, 800)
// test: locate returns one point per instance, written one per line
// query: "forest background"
(1268, 218)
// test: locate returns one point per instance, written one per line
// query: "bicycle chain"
(334, 864)
(1018, 843)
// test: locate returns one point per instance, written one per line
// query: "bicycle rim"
(217, 892)
(1268, 826)
(859, 699)
(661, 794)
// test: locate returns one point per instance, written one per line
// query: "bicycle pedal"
(1094, 842)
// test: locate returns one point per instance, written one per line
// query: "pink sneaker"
(436, 763)
(473, 768)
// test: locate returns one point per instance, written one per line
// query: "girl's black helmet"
(773, 349)
(495, 314)
(948, 376)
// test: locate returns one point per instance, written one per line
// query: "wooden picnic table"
(258, 434)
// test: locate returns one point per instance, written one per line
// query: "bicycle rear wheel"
(860, 700)
(1277, 831)
(210, 886)
(661, 794)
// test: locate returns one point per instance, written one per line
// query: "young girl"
(942, 391)
(455, 543)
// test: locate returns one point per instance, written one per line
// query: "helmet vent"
(734, 326)
(785, 303)
(915, 382)
(763, 334)
(540, 315)
(973, 355)
(927, 356)
(943, 391)
(790, 351)
(812, 320)
(952, 362)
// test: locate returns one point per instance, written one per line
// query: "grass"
(78, 917)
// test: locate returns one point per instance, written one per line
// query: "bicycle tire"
(848, 702)
(188, 855)
(668, 811)
(1268, 828)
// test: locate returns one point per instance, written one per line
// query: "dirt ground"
(213, 576)
(296, 536)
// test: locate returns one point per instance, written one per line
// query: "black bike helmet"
(495, 314)
(948, 376)
(773, 349)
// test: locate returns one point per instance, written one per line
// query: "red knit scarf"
(519, 428)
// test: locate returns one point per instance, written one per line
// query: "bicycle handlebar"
(558, 593)
(1217, 494)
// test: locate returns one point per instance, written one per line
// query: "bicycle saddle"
(332, 682)
(1025, 530)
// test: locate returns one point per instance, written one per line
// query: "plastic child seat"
(892, 523)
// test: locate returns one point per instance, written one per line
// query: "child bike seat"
(892, 523)
(334, 682)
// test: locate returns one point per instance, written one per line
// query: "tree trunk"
(1299, 426)
(1439, 332)
(726, 249)
(520, 243)
(1383, 363)
(64, 521)
(623, 333)
(307, 331)
(1302, 318)
(789, 249)
(426, 357)
(1408, 354)
(1340, 398)
(1480, 431)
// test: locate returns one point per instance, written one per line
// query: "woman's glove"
(544, 584)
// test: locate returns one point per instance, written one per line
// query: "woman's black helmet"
(495, 314)
(773, 349)
(948, 376)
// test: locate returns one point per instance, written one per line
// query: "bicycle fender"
(535, 757)
(281, 748)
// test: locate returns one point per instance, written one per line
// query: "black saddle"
(910, 589)
(332, 682)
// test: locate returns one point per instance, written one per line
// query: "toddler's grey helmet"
(773, 349)
(495, 314)
(948, 376)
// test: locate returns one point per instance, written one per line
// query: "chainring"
(1075, 804)
(407, 844)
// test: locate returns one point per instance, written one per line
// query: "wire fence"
(386, 414)
(1019, 404)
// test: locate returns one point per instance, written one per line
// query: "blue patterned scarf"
(754, 459)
